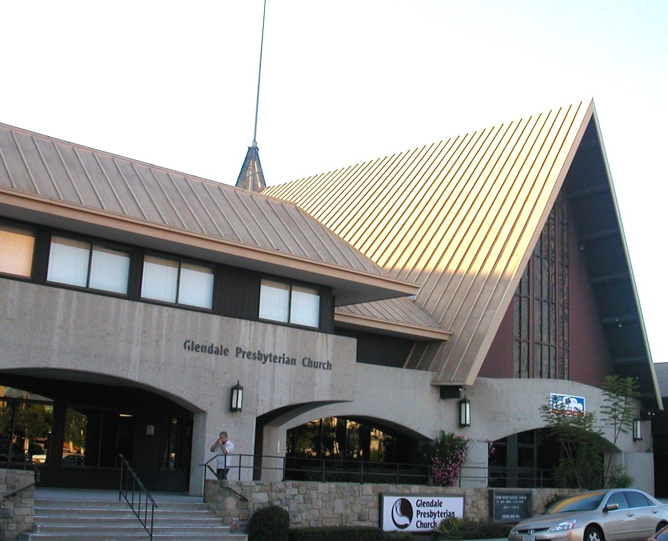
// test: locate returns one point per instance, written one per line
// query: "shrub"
(269, 524)
(465, 528)
(347, 533)
(447, 455)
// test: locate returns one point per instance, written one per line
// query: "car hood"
(547, 521)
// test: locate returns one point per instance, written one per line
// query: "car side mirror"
(610, 507)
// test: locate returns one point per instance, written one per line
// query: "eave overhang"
(390, 328)
(350, 286)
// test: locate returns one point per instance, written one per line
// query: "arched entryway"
(73, 426)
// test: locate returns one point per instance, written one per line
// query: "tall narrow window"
(288, 303)
(16, 250)
(84, 264)
(177, 282)
(541, 304)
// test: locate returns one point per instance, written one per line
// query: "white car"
(600, 515)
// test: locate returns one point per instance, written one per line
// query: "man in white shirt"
(225, 447)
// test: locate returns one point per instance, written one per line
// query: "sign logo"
(402, 513)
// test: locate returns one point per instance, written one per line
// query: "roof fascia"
(641, 319)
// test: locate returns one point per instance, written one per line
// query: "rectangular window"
(176, 282)
(16, 250)
(84, 264)
(287, 303)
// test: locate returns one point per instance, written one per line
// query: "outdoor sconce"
(237, 397)
(464, 412)
(637, 430)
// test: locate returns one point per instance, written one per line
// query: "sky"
(174, 84)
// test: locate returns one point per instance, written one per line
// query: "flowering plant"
(447, 455)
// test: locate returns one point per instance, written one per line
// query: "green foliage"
(465, 528)
(580, 440)
(447, 454)
(618, 411)
(269, 524)
(347, 533)
(582, 465)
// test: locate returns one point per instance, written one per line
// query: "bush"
(347, 533)
(465, 528)
(269, 524)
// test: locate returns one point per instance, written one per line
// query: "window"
(16, 250)
(287, 303)
(177, 282)
(84, 264)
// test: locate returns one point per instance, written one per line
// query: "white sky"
(173, 83)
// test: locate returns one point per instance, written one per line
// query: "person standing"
(224, 447)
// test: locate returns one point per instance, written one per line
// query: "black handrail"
(333, 470)
(207, 466)
(142, 497)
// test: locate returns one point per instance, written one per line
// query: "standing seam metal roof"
(459, 217)
(47, 167)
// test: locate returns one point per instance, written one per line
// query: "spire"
(251, 176)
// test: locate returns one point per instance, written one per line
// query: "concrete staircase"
(108, 520)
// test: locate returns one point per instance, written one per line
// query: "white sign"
(417, 513)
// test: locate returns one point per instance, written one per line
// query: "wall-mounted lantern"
(637, 430)
(237, 397)
(464, 412)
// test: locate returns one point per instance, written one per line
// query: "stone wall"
(313, 504)
(16, 512)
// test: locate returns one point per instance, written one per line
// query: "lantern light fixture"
(237, 397)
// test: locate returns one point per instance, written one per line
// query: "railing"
(143, 497)
(356, 471)
(207, 466)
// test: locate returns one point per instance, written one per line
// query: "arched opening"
(353, 449)
(73, 428)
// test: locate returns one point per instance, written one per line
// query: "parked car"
(600, 515)
(661, 535)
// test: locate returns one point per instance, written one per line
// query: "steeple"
(251, 176)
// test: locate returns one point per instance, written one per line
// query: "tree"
(581, 465)
(618, 411)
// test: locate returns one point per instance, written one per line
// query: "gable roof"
(57, 183)
(461, 218)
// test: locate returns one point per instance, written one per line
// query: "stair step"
(111, 520)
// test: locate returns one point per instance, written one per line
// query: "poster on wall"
(411, 513)
(573, 405)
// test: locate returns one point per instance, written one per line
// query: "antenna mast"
(259, 73)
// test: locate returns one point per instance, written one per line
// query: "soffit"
(251, 228)
(459, 217)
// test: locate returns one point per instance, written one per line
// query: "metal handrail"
(330, 470)
(143, 494)
(207, 466)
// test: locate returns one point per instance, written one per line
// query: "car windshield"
(578, 502)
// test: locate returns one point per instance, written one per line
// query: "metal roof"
(38, 170)
(461, 218)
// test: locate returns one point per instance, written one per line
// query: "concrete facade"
(146, 345)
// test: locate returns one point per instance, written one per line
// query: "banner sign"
(411, 513)
(574, 405)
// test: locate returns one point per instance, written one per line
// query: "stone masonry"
(16, 512)
(312, 504)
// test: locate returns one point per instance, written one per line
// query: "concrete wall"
(140, 344)
(312, 504)
(16, 512)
